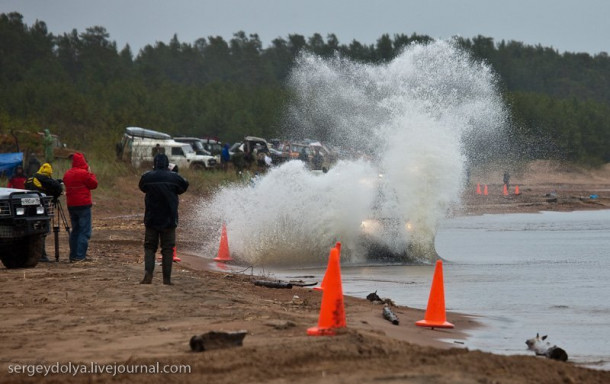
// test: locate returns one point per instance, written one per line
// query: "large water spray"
(406, 120)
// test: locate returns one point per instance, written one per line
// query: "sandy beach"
(96, 316)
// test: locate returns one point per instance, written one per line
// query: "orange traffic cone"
(332, 311)
(321, 286)
(478, 189)
(505, 192)
(435, 313)
(517, 192)
(176, 258)
(485, 192)
(223, 250)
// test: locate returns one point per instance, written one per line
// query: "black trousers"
(167, 237)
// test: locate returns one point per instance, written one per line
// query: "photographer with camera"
(44, 182)
(162, 188)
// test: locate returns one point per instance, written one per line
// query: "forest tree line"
(84, 88)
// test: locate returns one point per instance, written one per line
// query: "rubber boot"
(166, 264)
(147, 278)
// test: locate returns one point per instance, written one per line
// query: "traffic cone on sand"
(485, 191)
(223, 250)
(517, 192)
(332, 311)
(321, 286)
(176, 258)
(435, 313)
(505, 192)
(478, 189)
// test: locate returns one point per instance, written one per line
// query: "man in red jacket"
(79, 181)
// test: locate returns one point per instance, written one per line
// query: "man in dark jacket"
(162, 188)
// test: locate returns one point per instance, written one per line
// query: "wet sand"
(97, 313)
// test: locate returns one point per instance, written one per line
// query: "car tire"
(198, 166)
(24, 253)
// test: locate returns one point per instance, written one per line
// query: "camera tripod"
(58, 216)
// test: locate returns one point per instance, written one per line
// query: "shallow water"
(519, 273)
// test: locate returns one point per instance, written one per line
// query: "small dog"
(544, 348)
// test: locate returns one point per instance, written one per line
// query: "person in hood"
(79, 181)
(44, 182)
(18, 179)
(47, 142)
(162, 188)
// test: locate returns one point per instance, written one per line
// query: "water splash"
(408, 118)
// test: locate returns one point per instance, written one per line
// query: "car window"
(178, 151)
(234, 147)
(197, 145)
(188, 149)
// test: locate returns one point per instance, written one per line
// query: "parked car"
(199, 146)
(139, 146)
(318, 156)
(212, 145)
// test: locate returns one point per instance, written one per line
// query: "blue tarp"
(9, 161)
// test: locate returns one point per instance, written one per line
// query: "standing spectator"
(162, 188)
(317, 160)
(33, 165)
(239, 160)
(47, 142)
(79, 182)
(225, 157)
(44, 182)
(506, 179)
(18, 179)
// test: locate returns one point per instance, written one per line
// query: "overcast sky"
(565, 25)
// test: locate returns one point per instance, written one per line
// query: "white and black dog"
(543, 348)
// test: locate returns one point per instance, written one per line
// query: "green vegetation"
(83, 88)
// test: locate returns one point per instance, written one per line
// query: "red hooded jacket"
(79, 182)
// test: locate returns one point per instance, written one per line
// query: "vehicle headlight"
(40, 210)
(20, 211)
(409, 226)
(370, 226)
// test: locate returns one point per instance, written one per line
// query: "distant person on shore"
(162, 188)
(239, 161)
(33, 165)
(18, 179)
(506, 179)
(47, 142)
(225, 157)
(79, 181)
(44, 182)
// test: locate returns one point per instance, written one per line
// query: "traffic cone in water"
(485, 192)
(478, 189)
(517, 192)
(176, 258)
(435, 313)
(223, 250)
(332, 311)
(505, 192)
(321, 286)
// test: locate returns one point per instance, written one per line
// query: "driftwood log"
(273, 284)
(217, 340)
(390, 316)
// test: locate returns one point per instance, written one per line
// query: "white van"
(139, 147)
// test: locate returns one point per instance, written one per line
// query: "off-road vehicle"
(140, 145)
(25, 218)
